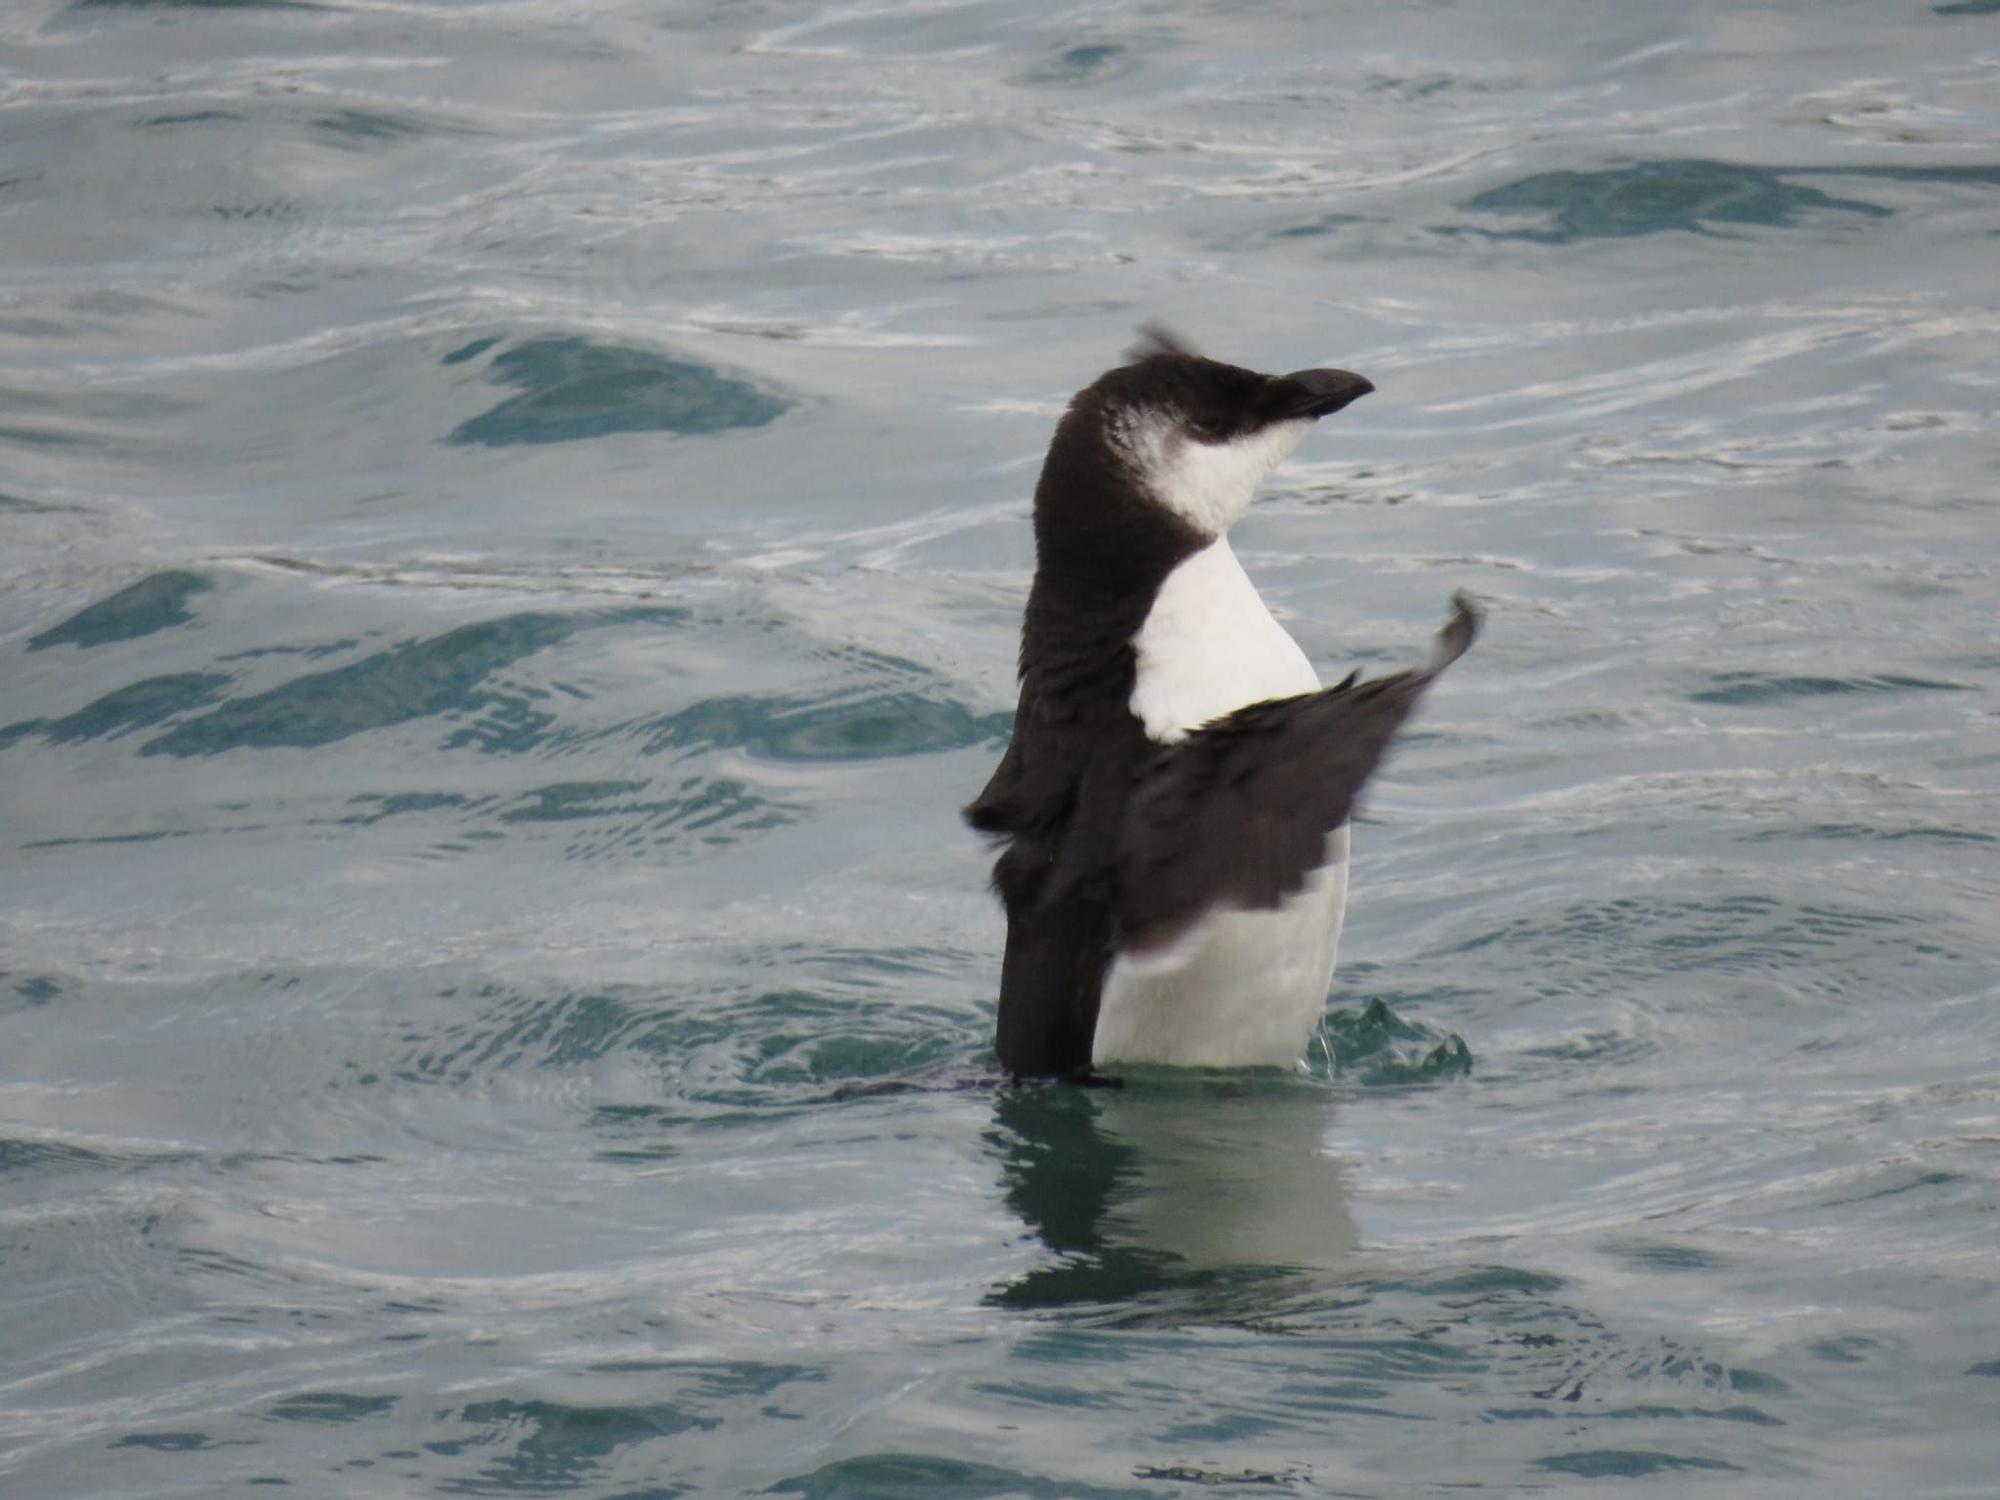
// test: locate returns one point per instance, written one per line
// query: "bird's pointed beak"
(1320, 393)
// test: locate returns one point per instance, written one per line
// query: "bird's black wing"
(1056, 804)
(1235, 817)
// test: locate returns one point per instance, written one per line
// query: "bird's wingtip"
(1459, 631)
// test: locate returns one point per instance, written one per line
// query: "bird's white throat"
(1209, 485)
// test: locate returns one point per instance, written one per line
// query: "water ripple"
(574, 389)
(515, 526)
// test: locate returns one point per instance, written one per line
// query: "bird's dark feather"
(1236, 816)
(1116, 844)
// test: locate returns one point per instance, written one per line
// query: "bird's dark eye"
(1209, 427)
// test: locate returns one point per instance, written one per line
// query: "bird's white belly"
(1247, 988)
(1249, 993)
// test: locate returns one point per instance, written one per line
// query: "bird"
(1171, 811)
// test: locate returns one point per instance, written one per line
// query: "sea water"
(513, 523)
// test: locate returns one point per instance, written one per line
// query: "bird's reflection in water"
(1179, 1188)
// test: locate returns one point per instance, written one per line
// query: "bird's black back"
(1102, 550)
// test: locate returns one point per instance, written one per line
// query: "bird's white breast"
(1247, 988)
(1209, 646)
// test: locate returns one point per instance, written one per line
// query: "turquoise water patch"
(619, 822)
(1653, 197)
(39, 437)
(466, 352)
(720, 1380)
(1665, 1255)
(1948, 174)
(366, 129)
(570, 800)
(883, 1046)
(165, 1442)
(1091, 62)
(547, 1446)
(23, 507)
(37, 989)
(757, 1050)
(1198, 1474)
(1757, 689)
(573, 389)
(1485, 1282)
(1631, 1463)
(1911, 1185)
(330, 1406)
(443, 675)
(1323, 225)
(921, 1476)
(156, 602)
(1374, 1045)
(602, 819)
(804, 729)
(192, 117)
(138, 705)
(373, 807)
(1692, 195)
(310, 653)
(1869, 832)
(23, 1158)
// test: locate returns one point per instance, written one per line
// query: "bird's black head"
(1192, 435)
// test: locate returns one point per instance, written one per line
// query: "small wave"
(156, 602)
(1690, 195)
(1758, 689)
(573, 388)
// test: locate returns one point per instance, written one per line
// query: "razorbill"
(1173, 803)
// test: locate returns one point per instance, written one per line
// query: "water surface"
(512, 527)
